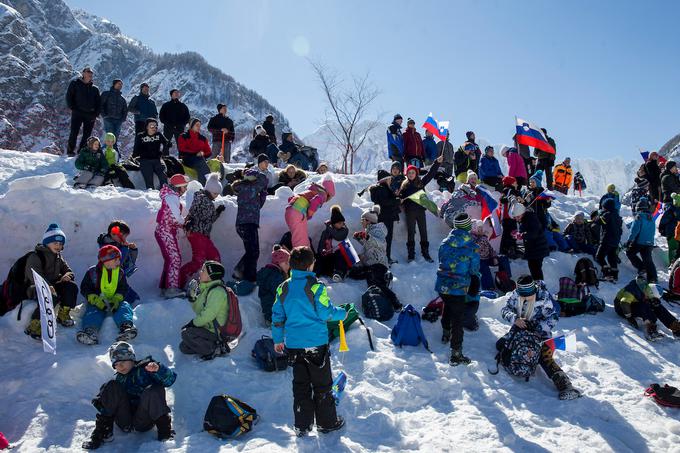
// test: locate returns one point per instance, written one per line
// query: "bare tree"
(348, 109)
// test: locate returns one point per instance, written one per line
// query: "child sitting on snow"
(92, 165)
(329, 261)
(374, 265)
(300, 315)
(577, 235)
(104, 286)
(133, 399)
(116, 235)
(269, 278)
(210, 301)
(116, 175)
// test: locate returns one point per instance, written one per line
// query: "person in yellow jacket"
(562, 176)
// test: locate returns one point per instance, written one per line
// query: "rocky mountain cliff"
(44, 44)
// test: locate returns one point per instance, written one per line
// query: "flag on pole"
(658, 210)
(531, 135)
(348, 253)
(440, 129)
(546, 195)
(48, 324)
(490, 204)
(645, 155)
(421, 198)
(565, 342)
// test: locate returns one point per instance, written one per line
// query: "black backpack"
(266, 357)
(585, 272)
(228, 417)
(665, 396)
(173, 166)
(376, 305)
(13, 289)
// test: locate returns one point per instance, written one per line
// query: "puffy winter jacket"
(297, 179)
(631, 294)
(375, 245)
(611, 196)
(83, 98)
(643, 229)
(149, 146)
(202, 214)
(458, 262)
(191, 143)
(533, 234)
(383, 196)
(212, 304)
(91, 284)
(301, 310)
(486, 251)
(259, 145)
(579, 232)
(408, 188)
(562, 175)
(251, 194)
(516, 167)
(395, 141)
(91, 160)
(445, 148)
(330, 237)
(309, 201)
(215, 126)
(612, 225)
(169, 217)
(413, 144)
(268, 280)
(542, 314)
(430, 148)
(143, 107)
(138, 379)
(270, 128)
(489, 168)
(55, 267)
(669, 184)
(174, 113)
(113, 105)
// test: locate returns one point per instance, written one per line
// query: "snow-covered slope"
(396, 399)
(43, 45)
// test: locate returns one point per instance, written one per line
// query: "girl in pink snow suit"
(302, 207)
(516, 167)
(168, 222)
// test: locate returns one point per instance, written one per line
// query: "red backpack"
(232, 328)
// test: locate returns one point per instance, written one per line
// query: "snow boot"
(127, 332)
(164, 428)
(425, 250)
(64, 317)
(446, 336)
(339, 423)
(457, 358)
(88, 336)
(652, 333)
(33, 329)
(103, 432)
(302, 432)
(563, 384)
(411, 249)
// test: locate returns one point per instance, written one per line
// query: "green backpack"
(352, 316)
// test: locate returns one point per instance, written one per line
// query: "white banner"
(47, 322)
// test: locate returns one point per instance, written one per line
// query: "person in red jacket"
(413, 145)
(194, 148)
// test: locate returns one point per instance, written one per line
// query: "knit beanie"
(91, 140)
(213, 184)
(259, 130)
(108, 253)
(508, 181)
(398, 165)
(336, 214)
(526, 286)
(214, 269)
(642, 183)
(371, 215)
(414, 168)
(398, 117)
(121, 351)
(471, 174)
(110, 136)
(462, 222)
(262, 158)
(538, 178)
(53, 234)
(642, 205)
(279, 255)
(193, 122)
(670, 164)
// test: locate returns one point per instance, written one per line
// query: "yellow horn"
(343, 340)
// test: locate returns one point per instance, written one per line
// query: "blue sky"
(602, 76)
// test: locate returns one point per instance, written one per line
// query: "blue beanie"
(53, 234)
(538, 177)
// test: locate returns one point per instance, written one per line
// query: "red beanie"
(414, 168)
(108, 253)
(508, 181)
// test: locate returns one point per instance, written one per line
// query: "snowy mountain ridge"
(43, 46)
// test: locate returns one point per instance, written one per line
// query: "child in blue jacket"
(299, 323)
(133, 399)
(641, 241)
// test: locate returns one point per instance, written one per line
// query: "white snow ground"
(396, 399)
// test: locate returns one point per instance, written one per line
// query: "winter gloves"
(101, 303)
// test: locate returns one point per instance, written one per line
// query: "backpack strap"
(221, 341)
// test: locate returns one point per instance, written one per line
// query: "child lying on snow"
(134, 398)
(104, 286)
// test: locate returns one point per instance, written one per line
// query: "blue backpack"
(408, 330)
(266, 357)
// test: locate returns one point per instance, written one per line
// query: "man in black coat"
(270, 127)
(174, 115)
(546, 161)
(533, 235)
(114, 109)
(221, 125)
(390, 205)
(669, 182)
(83, 99)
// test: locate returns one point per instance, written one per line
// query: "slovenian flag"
(563, 342)
(530, 135)
(349, 255)
(440, 129)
